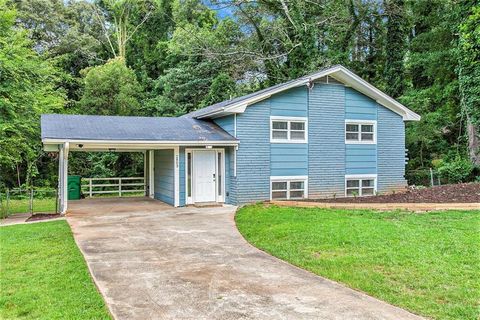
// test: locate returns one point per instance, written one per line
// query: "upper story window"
(288, 129)
(360, 132)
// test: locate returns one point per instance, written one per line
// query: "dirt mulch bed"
(451, 193)
(43, 216)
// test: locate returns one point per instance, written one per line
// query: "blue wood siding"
(291, 103)
(164, 176)
(181, 174)
(227, 123)
(361, 159)
(326, 159)
(253, 155)
(326, 156)
(391, 151)
(289, 159)
(359, 106)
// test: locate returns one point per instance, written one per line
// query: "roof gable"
(338, 72)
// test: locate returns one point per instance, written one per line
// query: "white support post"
(90, 187)
(64, 177)
(176, 159)
(120, 187)
(145, 169)
(60, 179)
(151, 176)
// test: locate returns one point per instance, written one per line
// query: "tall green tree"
(395, 47)
(28, 88)
(111, 89)
(469, 75)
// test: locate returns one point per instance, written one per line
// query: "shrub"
(456, 170)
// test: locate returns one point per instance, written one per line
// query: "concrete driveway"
(152, 261)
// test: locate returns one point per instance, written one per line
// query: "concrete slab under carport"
(153, 261)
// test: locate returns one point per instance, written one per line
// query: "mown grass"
(46, 205)
(428, 263)
(44, 276)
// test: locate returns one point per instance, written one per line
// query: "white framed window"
(360, 185)
(285, 188)
(288, 129)
(360, 132)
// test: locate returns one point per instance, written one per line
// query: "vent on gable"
(328, 80)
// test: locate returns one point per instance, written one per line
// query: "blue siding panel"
(227, 123)
(164, 176)
(359, 106)
(289, 159)
(291, 103)
(391, 151)
(253, 156)
(361, 159)
(326, 157)
(181, 175)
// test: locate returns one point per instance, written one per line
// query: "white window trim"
(360, 122)
(361, 177)
(289, 179)
(288, 120)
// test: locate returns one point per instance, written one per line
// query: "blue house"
(323, 135)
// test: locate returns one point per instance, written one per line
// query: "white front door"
(204, 168)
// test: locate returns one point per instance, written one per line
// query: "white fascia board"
(105, 145)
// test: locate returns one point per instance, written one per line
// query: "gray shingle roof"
(88, 127)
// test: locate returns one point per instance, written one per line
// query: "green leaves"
(111, 89)
(28, 88)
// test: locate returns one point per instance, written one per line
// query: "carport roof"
(64, 127)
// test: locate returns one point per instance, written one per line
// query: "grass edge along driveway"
(427, 263)
(43, 275)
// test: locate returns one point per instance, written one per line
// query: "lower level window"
(288, 189)
(358, 187)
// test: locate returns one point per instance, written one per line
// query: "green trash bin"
(74, 187)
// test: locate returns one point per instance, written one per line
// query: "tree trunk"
(473, 133)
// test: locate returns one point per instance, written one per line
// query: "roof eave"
(105, 145)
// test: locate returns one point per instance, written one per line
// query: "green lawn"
(44, 276)
(428, 263)
(46, 205)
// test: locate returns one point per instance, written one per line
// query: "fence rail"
(119, 185)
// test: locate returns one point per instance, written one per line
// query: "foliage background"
(169, 57)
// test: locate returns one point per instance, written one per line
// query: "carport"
(166, 137)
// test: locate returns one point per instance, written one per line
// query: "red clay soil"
(43, 216)
(451, 193)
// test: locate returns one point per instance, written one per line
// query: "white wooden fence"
(119, 185)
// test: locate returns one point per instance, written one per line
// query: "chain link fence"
(32, 201)
(424, 177)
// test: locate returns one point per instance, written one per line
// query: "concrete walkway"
(152, 261)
